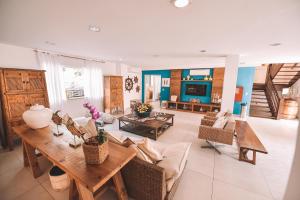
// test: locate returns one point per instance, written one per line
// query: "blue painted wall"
(203, 99)
(165, 91)
(245, 79)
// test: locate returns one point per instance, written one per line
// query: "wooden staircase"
(259, 106)
(284, 75)
(265, 100)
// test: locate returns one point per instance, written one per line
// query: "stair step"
(259, 104)
(261, 116)
(260, 108)
(259, 100)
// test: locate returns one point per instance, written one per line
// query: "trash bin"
(244, 111)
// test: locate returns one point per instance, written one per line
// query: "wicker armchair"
(209, 133)
(146, 181)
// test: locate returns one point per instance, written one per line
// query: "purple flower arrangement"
(93, 110)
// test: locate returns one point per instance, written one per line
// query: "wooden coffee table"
(86, 180)
(151, 127)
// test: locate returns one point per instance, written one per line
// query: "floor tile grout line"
(236, 186)
(47, 191)
(265, 179)
(213, 177)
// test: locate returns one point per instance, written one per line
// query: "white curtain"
(54, 79)
(93, 85)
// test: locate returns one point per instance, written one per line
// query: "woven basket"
(59, 179)
(95, 154)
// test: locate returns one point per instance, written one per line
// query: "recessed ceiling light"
(275, 44)
(180, 3)
(242, 63)
(155, 56)
(203, 51)
(50, 43)
(94, 28)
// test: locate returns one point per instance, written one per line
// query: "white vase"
(37, 117)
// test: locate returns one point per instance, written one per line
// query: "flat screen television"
(195, 90)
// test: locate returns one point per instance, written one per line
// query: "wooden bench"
(248, 141)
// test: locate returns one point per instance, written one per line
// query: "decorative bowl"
(37, 116)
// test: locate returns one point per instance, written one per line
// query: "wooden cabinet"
(20, 89)
(217, 83)
(175, 83)
(113, 95)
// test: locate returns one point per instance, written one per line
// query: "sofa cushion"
(116, 137)
(174, 160)
(149, 149)
(107, 118)
(170, 183)
(220, 114)
(220, 122)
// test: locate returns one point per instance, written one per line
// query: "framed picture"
(165, 82)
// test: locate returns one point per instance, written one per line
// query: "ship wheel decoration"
(128, 84)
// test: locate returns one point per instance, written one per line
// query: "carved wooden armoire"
(20, 89)
(113, 95)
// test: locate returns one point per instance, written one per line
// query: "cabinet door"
(35, 81)
(14, 81)
(37, 99)
(16, 105)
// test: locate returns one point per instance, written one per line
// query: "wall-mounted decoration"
(137, 89)
(165, 82)
(128, 84)
(135, 79)
(238, 94)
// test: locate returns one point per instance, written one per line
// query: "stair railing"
(272, 96)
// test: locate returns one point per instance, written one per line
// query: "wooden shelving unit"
(200, 108)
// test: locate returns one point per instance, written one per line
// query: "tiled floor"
(208, 175)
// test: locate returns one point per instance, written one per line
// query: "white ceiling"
(153, 33)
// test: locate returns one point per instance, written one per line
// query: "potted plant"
(143, 110)
(95, 148)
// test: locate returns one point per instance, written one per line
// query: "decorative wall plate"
(136, 79)
(128, 84)
(137, 89)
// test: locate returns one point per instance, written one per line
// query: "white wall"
(296, 94)
(25, 58)
(260, 74)
(126, 71)
(17, 57)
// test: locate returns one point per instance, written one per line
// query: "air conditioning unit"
(199, 72)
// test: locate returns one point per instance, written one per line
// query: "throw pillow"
(148, 149)
(220, 122)
(140, 154)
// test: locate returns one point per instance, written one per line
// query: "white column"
(229, 84)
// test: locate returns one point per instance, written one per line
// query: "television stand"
(200, 108)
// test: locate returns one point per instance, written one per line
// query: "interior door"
(17, 104)
(35, 81)
(14, 81)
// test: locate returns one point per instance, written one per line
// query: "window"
(73, 82)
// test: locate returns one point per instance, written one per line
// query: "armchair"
(213, 134)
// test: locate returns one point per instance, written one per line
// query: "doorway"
(152, 89)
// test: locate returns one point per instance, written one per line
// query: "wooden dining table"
(86, 180)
